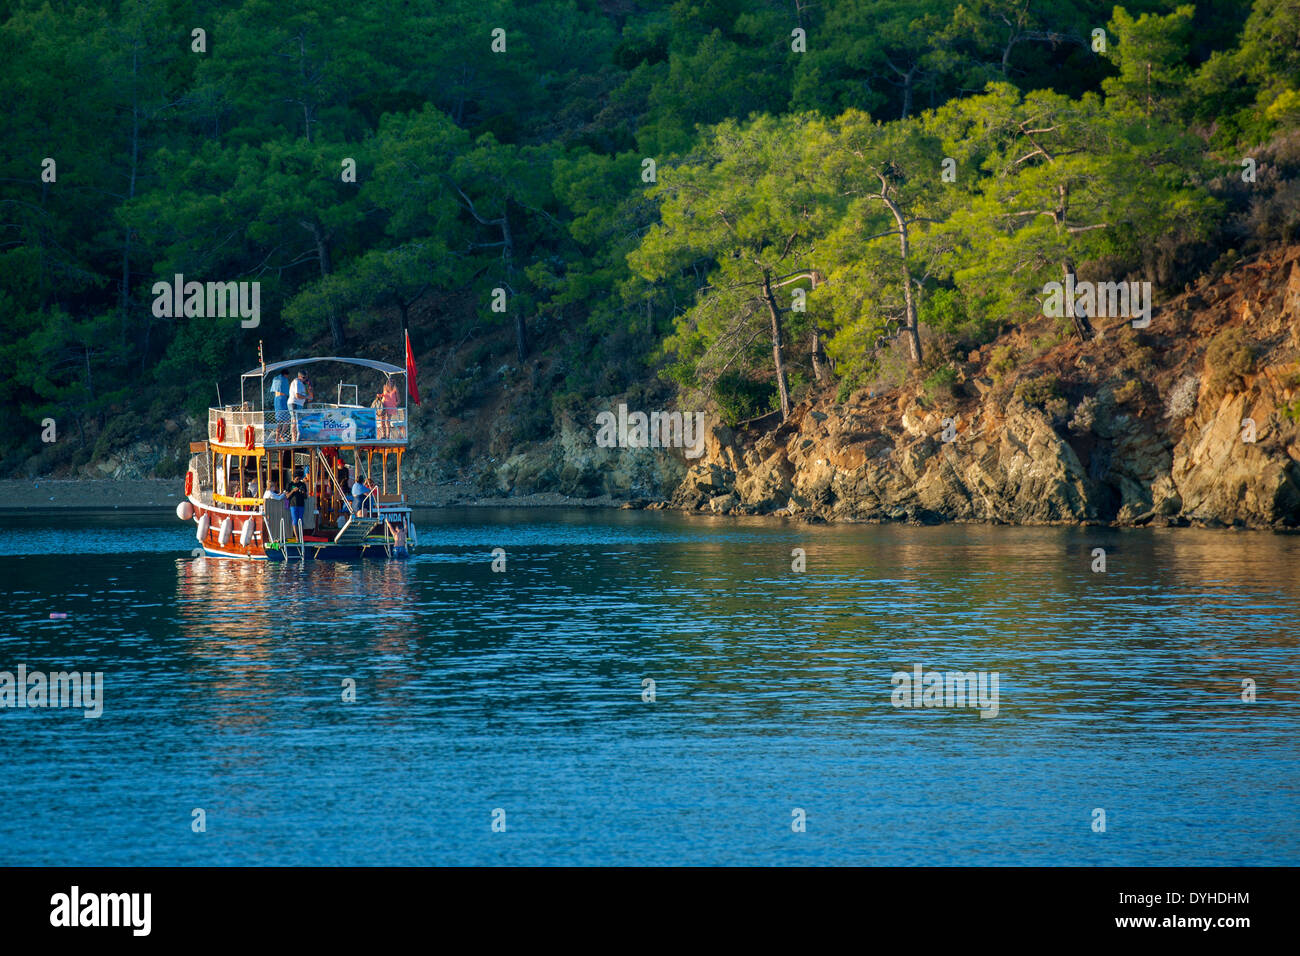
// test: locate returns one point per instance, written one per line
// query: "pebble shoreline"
(55, 494)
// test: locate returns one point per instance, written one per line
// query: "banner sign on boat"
(337, 424)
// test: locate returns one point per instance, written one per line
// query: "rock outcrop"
(1193, 419)
(572, 464)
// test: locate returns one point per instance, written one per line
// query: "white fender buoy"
(204, 523)
(185, 511)
(223, 536)
(411, 535)
(246, 533)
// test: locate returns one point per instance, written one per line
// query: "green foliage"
(737, 210)
(1228, 358)
(938, 385)
(776, 172)
(1003, 361)
(1039, 391)
(740, 399)
(456, 392)
(894, 58)
(1139, 360)
(1062, 182)
(1129, 392)
(870, 176)
(945, 310)
(1246, 90)
(1151, 53)
(456, 448)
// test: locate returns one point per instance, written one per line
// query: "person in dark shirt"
(297, 498)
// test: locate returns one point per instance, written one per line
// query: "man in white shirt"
(273, 491)
(298, 396)
(298, 390)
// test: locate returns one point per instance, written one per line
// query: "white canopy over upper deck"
(294, 363)
(318, 423)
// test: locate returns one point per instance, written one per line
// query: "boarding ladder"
(355, 531)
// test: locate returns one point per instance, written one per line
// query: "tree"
(273, 213)
(300, 71)
(1003, 28)
(1150, 52)
(495, 184)
(1061, 181)
(1235, 88)
(607, 212)
(886, 180)
(875, 57)
(738, 213)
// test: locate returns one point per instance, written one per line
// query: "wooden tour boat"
(252, 447)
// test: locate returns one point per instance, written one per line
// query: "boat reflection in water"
(257, 633)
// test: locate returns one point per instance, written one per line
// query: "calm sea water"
(522, 692)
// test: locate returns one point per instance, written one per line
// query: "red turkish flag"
(412, 389)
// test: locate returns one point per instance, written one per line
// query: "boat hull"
(259, 550)
(315, 551)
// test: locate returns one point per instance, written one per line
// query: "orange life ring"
(221, 429)
(250, 437)
(189, 483)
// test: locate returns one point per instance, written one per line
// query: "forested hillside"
(726, 204)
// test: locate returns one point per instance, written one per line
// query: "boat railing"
(316, 424)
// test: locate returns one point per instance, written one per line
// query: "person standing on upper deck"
(280, 393)
(389, 399)
(298, 394)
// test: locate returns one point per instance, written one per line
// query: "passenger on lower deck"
(360, 493)
(297, 497)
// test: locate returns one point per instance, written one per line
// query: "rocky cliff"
(1192, 419)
